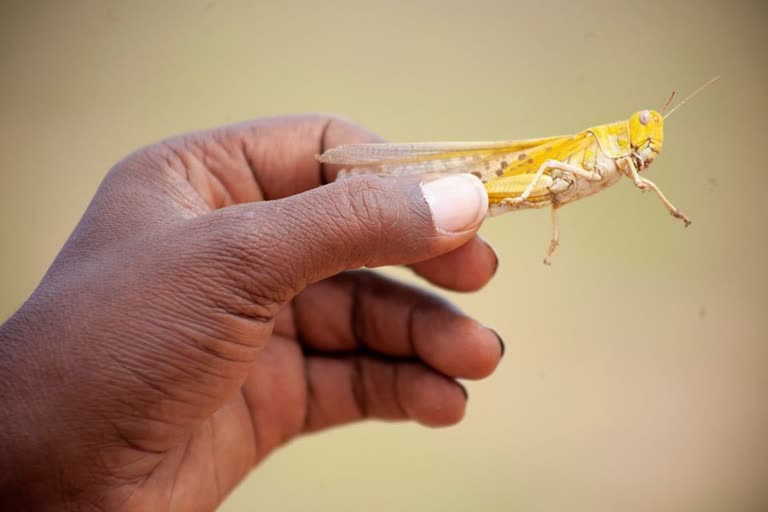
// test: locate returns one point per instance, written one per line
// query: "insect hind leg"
(552, 165)
(555, 240)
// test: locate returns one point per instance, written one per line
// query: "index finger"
(274, 157)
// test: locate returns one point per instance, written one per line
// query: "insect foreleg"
(646, 184)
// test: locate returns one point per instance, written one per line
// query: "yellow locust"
(533, 173)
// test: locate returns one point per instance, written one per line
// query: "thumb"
(365, 220)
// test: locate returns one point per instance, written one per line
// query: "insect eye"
(645, 117)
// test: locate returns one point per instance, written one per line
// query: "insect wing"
(484, 159)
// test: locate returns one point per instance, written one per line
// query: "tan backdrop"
(637, 366)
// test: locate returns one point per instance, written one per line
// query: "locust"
(533, 173)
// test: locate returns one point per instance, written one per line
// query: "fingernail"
(463, 390)
(503, 347)
(495, 257)
(458, 202)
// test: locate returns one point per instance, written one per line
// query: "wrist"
(30, 475)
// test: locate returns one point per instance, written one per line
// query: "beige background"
(637, 366)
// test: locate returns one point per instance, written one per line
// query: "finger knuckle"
(365, 209)
(370, 201)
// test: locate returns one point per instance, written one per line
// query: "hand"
(199, 317)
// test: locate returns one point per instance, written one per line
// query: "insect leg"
(578, 171)
(646, 184)
(553, 165)
(555, 241)
(504, 193)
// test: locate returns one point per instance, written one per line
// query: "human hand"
(200, 316)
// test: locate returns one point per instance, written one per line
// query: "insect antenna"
(694, 93)
(667, 103)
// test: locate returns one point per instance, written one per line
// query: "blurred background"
(637, 365)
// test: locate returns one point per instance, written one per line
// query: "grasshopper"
(533, 173)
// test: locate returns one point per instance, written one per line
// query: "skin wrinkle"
(215, 288)
(326, 124)
(237, 409)
(149, 351)
(396, 391)
(217, 483)
(371, 211)
(172, 493)
(309, 392)
(298, 331)
(77, 503)
(254, 428)
(342, 214)
(170, 174)
(134, 485)
(27, 406)
(356, 314)
(377, 399)
(246, 253)
(144, 380)
(164, 156)
(233, 330)
(410, 336)
(214, 346)
(361, 330)
(295, 417)
(358, 386)
(190, 156)
(139, 428)
(190, 204)
(264, 151)
(124, 469)
(186, 365)
(237, 262)
(134, 488)
(100, 503)
(322, 176)
(245, 151)
(173, 160)
(344, 234)
(388, 226)
(216, 157)
(423, 218)
(321, 239)
(135, 445)
(310, 397)
(236, 301)
(153, 434)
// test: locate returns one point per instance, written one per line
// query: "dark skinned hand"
(203, 313)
